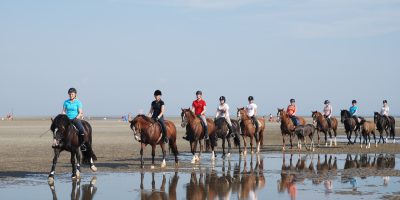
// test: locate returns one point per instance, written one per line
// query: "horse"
(148, 132)
(350, 125)
(248, 129)
(221, 129)
(195, 133)
(65, 136)
(385, 124)
(287, 126)
(304, 131)
(367, 128)
(323, 126)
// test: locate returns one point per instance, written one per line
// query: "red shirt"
(198, 106)
(291, 110)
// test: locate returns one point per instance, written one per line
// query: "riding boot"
(164, 137)
(81, 142)
(206, 133)
(230, 131)
(255, 121)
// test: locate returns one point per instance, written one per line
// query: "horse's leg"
(163, 163)
(142, 146)
(251, 144)
(193, 149)
(330, 137)
(369, 141)
(73, 164)
(335, 132)
(53, 166)
(283, 142)
(326, 138)
(78, 164)
(153, 154)
(291, 142)
(245, 145)
(229, 147)
(223, 148)
(387, 135)
(376, 144)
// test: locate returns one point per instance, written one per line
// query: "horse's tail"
(236, 141)
(393, 129)
(89, 153)
(261, 134)
(173, 147)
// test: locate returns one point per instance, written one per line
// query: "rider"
(157, 113)
(223, 112)
(291, 111)
(252, 112)
(199, 109)
(328, 112)
(385, 110)
(353, 110)
(73, 109)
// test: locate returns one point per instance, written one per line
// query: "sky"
(117, 52)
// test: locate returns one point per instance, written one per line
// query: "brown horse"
(221, 129)
(148, 132)
(66, 139)
(367, 128)
(287, 126)
(195, 133)
(323, 126)
(248, 129)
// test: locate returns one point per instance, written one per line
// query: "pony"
(148, 132)
(350, 125)
(287, 126)
(323, 126)
(367, 128)
(386, 124)
(304, 131)
(248, 129)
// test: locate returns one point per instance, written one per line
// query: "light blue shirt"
(72, 108)
(353, 110)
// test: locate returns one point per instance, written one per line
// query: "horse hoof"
(193, 161)
(78, 175)
(313, 149)
(228, 155)
(74, 178)
(283, 148)
(93, 168)
(252, 152)
(50, 181)
(152, 167)
(163, 164)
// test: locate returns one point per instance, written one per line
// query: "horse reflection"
(84, 192)
(159, 194)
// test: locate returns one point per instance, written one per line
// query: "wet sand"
(23, 151)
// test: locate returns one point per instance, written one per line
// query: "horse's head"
(376, 117)
(344, 114)
(186, 112)
(315, 115)
(59, 127)
(138, 124)
(241, 113)
(280, 112)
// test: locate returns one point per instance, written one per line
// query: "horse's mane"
(189, 111)
(60, 119)
(144, 117)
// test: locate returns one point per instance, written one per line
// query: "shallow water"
(268, 176)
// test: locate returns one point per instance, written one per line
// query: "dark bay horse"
(350, 125)
(386, 124)
(323, 126)
(287, 126)
(195, 133)
(248, 129)
(148, 132)
(221, 129)
(367, 128)
(66, 136)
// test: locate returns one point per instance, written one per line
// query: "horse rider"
(251, 109)
(223, 112)
(199, 109)
(291, 111)
(385, 110)
(73, 109)
(354, 111)
(156, 112)
(328, 112)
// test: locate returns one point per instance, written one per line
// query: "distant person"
(354, 110)
(271, 118)
(251, 109)
(328, 112)
(385, 110)
(291, 112)
(223, 112)
(199, 109)
(73, 109)
(156, 112)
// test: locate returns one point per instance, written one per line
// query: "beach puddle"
(267, 176)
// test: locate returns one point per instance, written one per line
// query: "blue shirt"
(72, 108)
(353, 110)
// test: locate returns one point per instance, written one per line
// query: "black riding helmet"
(157, 92)
(327, 101)
(199, 92)
(354, 101)
(251, 98)
(72, 90)
(222, 98)
(292, 101)
(384, 101)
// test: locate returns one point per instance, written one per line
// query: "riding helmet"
(292, 101)
(251, 98)
(384, 101)
(199, 92)
(354, 101)
(327, 101)
(222, 98)
(157, 92)
(72, 90)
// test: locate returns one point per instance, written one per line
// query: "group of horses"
(148, 132)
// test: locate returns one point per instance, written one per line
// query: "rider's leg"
(204, 120)
(294, 120)
(328, 119)
(81, 132)
(228, 121)
(163, 130)
(255, 121)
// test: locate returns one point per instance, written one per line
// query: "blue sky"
(117, 52)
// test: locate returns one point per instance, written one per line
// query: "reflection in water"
(88, 190)
(161, 193)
